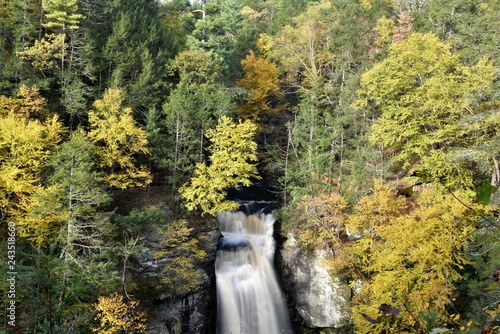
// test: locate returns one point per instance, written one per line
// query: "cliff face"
(320, 301)
(191, 310)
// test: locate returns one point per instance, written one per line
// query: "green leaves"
(233, 157)
(424, 98)
(62, 13)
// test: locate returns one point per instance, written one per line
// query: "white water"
(249, 298)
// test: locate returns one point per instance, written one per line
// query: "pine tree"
(192, 107)
(135, 66)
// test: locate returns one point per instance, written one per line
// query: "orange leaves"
(261, 83)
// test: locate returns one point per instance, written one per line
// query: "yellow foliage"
(304, 49)
(323, 219)
(252, 15)
(385, 30)
(426, 100)
(25, 146)
(408, 252)
(118, 140)
(264, 45)
(40, 224)
(27, 104)
(44, 54)
(183, 275)
(233, 156)
(117, 315)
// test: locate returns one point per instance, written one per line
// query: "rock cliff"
(319, 300)
(190, 311)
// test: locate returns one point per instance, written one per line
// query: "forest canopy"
(375, 122)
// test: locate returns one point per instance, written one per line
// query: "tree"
(261, 83)
(67, 214)
(433, 117)
(302, 49)
(192, 107)
(61, 54)
(46, 53)
(62, 14)
(20, 26)
(183, 275)
(119, 140)
(286, 11)
(221, 29)
(179, 19)
(78, 190)
(25, 146)
(409, 253)
(233, 157)
(321, 221)
(133, 66)
(470, 31)
(116, 315)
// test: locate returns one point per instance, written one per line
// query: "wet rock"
(191, 310)
(320, 300)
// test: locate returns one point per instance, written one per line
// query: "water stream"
(249, 298)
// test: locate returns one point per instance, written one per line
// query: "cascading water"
(249, 298)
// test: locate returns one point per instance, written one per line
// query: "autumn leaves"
(29, 136)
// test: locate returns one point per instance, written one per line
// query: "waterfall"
(249, 299)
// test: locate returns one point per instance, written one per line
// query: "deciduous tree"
(116, 315)
(432, 119)
(261, 83)
(409, 252)
(233, 157)
(119, 140)
(183, 275)
(25, 146)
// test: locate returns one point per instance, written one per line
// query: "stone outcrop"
(192, 311)
(320, 300)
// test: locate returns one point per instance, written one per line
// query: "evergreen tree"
(71, 209)
(192, 107)
(20, 26)
(221, 29)
(137, 66)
